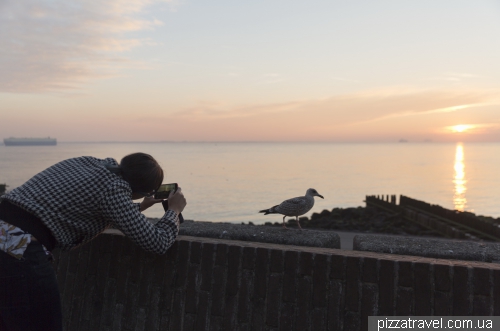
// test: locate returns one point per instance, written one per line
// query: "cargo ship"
(30, 141)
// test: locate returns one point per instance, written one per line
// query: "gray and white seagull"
(295, 206)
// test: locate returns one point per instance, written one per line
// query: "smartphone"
(164, 190)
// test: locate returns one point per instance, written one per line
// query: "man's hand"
(148, 202)
(177, 201)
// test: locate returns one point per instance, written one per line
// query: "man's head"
(142, 172)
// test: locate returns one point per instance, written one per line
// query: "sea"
(231, 182)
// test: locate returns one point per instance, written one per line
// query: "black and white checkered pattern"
(79, 198)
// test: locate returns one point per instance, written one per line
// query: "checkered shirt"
(79, 198)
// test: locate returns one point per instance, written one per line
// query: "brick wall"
(213, 284)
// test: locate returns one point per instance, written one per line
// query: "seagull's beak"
(319, 195)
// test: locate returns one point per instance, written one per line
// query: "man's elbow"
(163, 249)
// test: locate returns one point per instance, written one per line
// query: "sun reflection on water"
(459, 180)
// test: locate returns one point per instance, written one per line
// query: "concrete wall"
(215, 284)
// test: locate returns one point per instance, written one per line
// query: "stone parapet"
(218, 284)
(428, 247)
(264, 234)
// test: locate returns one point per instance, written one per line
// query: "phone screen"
(164, 190)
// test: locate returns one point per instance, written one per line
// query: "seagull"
(295, 206)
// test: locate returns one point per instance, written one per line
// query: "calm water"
(230, 182)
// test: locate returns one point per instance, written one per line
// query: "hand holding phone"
(176, 200)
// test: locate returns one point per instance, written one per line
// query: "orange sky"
(132, 70)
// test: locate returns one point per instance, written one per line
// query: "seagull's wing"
(291, 206)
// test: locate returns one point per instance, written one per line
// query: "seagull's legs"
(298, 223)
(284, 226)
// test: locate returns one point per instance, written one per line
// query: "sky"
(274, 70)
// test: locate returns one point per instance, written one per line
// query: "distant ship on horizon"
(30, 141)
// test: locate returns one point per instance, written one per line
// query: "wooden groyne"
(450, 223)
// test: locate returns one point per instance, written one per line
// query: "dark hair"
(142, 172)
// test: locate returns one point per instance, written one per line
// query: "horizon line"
(265, 142)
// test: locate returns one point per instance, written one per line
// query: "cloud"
(218, 110)
(340, 79)
(316, 120)
(58, 45)
(383, 115)
(352, 108)
(454, 77)
(354, 117)
(272, 78)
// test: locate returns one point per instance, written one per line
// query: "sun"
(461, 128)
